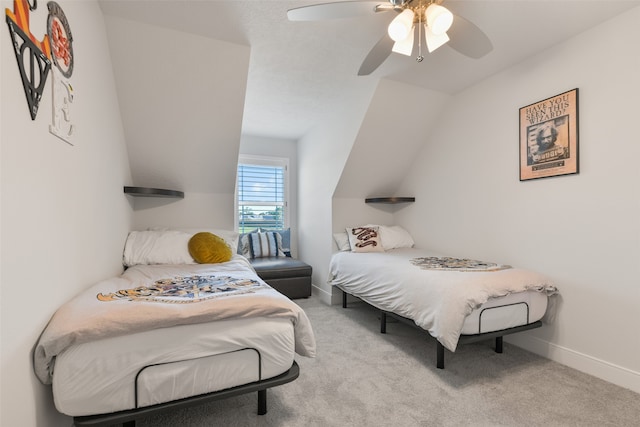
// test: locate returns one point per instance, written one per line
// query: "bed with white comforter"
(163, 332)
(437, 299)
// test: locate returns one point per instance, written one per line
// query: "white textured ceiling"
(299, 71)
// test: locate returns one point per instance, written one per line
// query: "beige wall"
(64, 215)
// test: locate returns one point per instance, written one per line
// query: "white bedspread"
(436, 300)
(143, 298)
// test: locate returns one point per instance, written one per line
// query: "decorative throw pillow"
(365, 239)
(243, 242)
(207, 248)
(261, 245)
(285, 233)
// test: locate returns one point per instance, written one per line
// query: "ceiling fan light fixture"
(401, 26)
(439, 18)
(434, 41)
(404, 47)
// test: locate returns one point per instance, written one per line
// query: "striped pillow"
(266, 244)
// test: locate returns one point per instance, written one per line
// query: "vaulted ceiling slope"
(193, 75)
(299, 71)
(182, 99)
(396, 125)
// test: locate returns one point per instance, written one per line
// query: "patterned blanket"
(150, 297)
(456, 264)
(186, 289)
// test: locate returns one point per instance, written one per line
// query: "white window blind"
(261, 193)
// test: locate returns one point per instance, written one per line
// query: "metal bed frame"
(128, 417)
(498, 335)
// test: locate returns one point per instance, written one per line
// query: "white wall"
(64, 215)
(392, 131)
(354, 211)
(582, 230)
(203, 210)
(207, 210)
(322, 154)
(389, 135)
(182, 125)
(182, 102)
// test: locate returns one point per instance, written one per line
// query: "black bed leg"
(440, 356)
(344, 299)
(498, 344)
(383, 322)
(131, 423)
(262, 402)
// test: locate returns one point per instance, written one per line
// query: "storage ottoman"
(289, 276)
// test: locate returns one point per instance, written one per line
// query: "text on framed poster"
(549, 137)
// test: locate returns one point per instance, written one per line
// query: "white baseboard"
(604, 370)
(334, 297)
(324, 296)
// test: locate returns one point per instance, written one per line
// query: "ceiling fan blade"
(468, 39)
(343, 9)
(376, 56)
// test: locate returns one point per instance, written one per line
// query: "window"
(262, 193)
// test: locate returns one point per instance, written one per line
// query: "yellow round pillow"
(207, 248)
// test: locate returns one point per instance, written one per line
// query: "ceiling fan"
(411, 17)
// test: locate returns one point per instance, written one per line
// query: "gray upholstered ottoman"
(287, 275)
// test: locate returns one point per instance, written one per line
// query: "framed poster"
(549, 137)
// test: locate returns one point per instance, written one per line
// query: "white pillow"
(157, 247)
(342, 241)
(365, 239)
(395, 237)
(229, 236)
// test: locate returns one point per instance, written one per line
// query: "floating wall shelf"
(390, 200)
(152, 192)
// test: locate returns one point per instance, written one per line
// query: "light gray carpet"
(363, 378)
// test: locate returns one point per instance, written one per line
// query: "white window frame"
(247, 159)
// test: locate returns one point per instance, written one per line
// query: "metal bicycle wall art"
(549, 137)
